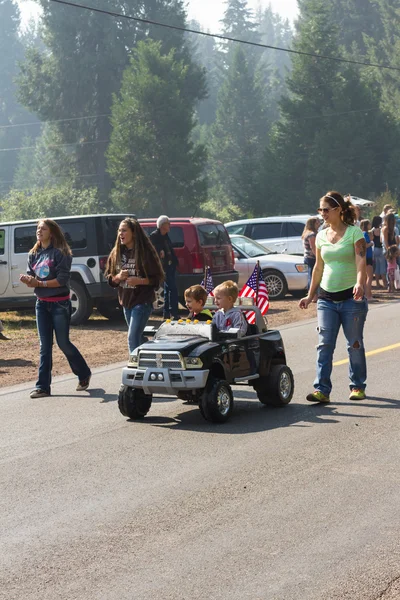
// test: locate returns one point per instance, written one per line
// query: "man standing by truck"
(162, 243)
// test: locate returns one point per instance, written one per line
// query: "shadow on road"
(251, 417)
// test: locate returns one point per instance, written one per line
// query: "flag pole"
(205, 275)
(258, 281)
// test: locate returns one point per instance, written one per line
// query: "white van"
(279, 234)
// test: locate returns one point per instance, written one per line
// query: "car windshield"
(250, 247)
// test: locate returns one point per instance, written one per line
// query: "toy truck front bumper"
(164, 381)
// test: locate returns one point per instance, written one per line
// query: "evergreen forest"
(100, 113)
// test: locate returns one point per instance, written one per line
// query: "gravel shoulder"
(103, 342)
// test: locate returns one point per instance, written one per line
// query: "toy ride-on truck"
(197, 363)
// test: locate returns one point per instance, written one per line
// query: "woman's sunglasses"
(326, 210)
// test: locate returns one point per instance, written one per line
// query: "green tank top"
(340, 271)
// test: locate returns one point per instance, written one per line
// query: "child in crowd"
(391, 257)
(195, 299)
(225, 296)
(365, 227)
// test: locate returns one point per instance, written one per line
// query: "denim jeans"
(55, 317)
(170, 293)
(351, 316)
(136, 319)
(310, 262)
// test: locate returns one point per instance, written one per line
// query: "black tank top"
(377, 241)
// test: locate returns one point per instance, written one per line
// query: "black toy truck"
(197, 363)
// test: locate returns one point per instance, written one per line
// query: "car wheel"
(276, 284)
(276, 389)
(217, 401)
(81, 303)
(132, 403)
(158, 304)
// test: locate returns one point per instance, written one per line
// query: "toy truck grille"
(160, 360)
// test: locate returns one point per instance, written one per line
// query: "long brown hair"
(347, 210)
(57, 238)
(145, 253)
(390, 224)
(311, 226)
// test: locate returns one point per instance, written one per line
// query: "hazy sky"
(207, 12)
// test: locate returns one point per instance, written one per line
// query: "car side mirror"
(236, 254)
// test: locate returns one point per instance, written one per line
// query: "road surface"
(300, 503)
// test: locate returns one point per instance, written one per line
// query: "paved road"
(300, 503)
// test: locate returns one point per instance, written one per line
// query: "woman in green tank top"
(340, 274)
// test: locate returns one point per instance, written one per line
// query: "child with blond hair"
(227, 317)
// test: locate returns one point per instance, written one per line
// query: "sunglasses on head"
(326, 210)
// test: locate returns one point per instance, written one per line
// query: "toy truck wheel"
(276, 389)
(132, 403)
(216, 404)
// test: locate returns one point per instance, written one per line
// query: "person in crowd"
(386, 209)
(3, 336)
(48, 273)
(196, 298)
(392, 254)
(357, 209)
(340, 273)
(162, 243)
(134, 268)
(390, 235)
(227, 317)
(309, 236)
(365, 227)
(379, 263)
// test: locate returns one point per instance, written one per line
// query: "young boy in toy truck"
(195, 299)
(228, 317)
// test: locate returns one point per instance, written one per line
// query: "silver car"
(282, 273)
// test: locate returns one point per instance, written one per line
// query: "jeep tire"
(216, 403)
(133, 403)
(277, 388)
(110, 310)
(81, 303)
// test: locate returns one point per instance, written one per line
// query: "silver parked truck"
(91, 237)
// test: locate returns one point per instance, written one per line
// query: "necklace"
(335, 236)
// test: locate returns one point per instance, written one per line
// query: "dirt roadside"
(102, 342)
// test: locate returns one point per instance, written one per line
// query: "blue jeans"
(170, 293)
(136, 319)
(310, 262)
(55, 317)
(351, 316)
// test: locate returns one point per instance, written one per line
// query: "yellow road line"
(371, 353)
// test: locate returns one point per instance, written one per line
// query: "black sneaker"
(39, 393)
(83, 385)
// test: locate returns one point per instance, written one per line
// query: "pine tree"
(238, 136)
(153, 162)
(12, 115)
(82, 68)
(332, 133)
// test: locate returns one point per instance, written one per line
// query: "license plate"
(219, 261)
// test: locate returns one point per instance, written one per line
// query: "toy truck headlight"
(193, 363)
(133, 360)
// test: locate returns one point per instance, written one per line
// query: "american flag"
(249, 290)
(208, 283)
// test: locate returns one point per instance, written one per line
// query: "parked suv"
(90, 237)
(282, 234)
(198, 243)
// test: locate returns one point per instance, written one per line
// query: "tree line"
(104, 113)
